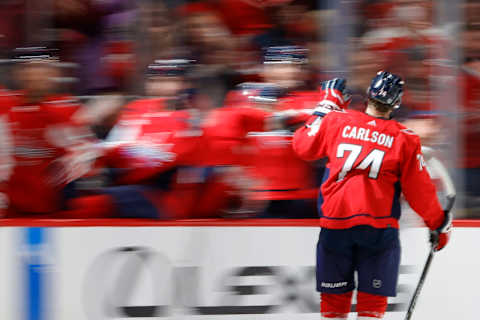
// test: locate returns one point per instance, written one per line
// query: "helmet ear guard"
(386, 88)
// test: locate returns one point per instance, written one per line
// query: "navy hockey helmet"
(386, 88)
(253, 92)
(268, 93)
(285, 54)
(169, 67)
(261, 92)
(34, 54)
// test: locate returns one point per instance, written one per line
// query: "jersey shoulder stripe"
(409, 132)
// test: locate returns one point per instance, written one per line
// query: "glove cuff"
(324, 107)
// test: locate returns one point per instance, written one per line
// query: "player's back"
(366, 155)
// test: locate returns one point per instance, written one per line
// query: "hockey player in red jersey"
(157, 154)
(288, 68)
(283, 68)
(226, 128)
(251, 136)
(161, 125)
(46, 148)
(252, 131)
(228, 144)
(371, 160)
(285, 184)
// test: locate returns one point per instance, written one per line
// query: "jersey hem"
(358, 221)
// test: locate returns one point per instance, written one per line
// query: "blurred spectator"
(12, 25)
(158, 35)
(244, 17)
(409, 40)
(96, 35)
(470, 93)
(292, 23)
(214, 49)
(363, 64)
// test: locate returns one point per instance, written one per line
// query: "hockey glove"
(334, 96)
(440, 237)
(77, 163)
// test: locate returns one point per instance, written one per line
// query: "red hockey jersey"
(226, 130)
(370, 162)
(279, 172)
(149, 139)
(38, 136)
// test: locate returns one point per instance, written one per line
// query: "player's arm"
(256, 120)
(309, 142)
(80, 148)
(64, 131)
(333, 96)
(420, 193)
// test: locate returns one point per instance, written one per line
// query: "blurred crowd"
(186, 109)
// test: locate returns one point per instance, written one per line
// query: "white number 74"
(373, 160)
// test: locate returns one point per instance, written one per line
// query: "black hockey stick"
(423, 276)
(413, 301)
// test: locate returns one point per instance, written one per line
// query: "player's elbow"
(302, 148)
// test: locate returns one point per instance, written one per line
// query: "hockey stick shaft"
(419, 287)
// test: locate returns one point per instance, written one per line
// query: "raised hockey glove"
(440, 237)
(334, 96)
